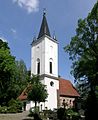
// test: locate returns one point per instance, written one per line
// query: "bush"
(36, 116)
(34, 113)
(31, 112)
(61, 114)
(72, 114)
(75, 117)
(3, 109)
(14, 106)
(12, 109)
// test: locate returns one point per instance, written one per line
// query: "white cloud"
(14, 33)
(13, 30)
(29, 5)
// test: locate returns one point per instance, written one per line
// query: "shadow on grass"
(28, 119)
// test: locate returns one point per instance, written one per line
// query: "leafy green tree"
(83, 51)
(3, 44)
(21, 77)
(38, 91)
(13, 75)
(7, 67)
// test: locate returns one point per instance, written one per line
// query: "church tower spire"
(44, 29)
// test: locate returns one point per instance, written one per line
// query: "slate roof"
(66, 88)
(44, 29)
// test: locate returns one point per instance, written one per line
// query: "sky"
(20, 22)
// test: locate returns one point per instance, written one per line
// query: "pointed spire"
(54, 36)
(34, 38)
(44, 30)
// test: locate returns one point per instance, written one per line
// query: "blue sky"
(20, 21)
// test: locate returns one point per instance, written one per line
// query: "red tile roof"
(67, 89)
(23, 95)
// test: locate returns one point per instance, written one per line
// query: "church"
(44, 61)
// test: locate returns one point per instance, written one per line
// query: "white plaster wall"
(44, 50)
(52, 91)
(51, 101)
(51, 51)
(68, 100)
(37, 51)
(29, 104)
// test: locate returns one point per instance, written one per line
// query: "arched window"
(50, 65)
(38, 66)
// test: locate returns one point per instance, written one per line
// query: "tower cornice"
(49, 76)
(38, 40)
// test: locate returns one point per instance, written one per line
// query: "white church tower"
(44, 61)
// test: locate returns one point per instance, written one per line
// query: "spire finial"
(54, 36)
(44, 30)
(44, 11)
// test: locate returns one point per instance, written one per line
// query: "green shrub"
(75, 117)
(12, 109)
(0, 108)
(31, 112)
(15, 106)
(37, 116)
(61, 114)
(34, 113)
(72, 114)
(3, 109)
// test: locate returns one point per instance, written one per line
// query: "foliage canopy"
(83, 51)
(13, 75)
(38, 91)
(83, 48)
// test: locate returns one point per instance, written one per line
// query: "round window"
(52, 83)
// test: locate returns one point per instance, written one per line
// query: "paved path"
(17, 116)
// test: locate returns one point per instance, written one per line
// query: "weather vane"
(44, 11)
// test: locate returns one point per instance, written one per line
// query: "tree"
(4, 44)
(83, 51)
(21, 76)
(38, 92)
(7, 67)
(13, 75)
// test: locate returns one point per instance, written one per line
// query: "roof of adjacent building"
(44, 29)
(66, 88)
(23, 95)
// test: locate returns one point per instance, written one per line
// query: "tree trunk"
(35, 105)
